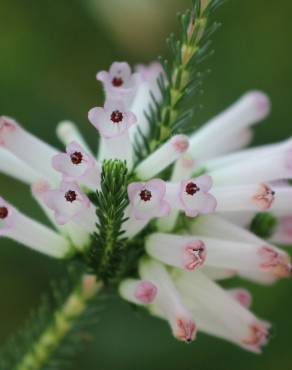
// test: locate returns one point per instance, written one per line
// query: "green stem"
(64, 320)
(181, 75)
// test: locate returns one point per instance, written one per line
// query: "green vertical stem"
(64, 319)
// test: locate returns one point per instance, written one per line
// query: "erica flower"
(119, 81)
(161, 213)
(178, 278)
(77, 165)
(180, 197)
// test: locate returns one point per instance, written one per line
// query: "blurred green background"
(49, 54)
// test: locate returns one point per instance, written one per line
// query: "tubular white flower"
(226, 144)
(148, 85)
(259, 277)
(30, 233)
(276, 165)
(78, 165)
(67, 132)
(283, 231)
(219, 314)
(216, 273)
(189, 253)
(36, 153)
(175, 250)
(283, 199)
(162, 157)
(139, 292)
(247, 154)
(259, 197)
(214, 226)
(168, 300)
(219, 227)
(10, 165)
(78, 236)
(248, 110)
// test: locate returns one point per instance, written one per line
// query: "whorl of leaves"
(108, 244)
(174, 114)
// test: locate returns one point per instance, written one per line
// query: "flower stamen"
(195, 255)
(71, 196)
(76, 158)
(192, 188)
(3, 213)
(117, 116)
(117, 81)
(145, 195)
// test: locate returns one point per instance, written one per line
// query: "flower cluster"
(216, 188)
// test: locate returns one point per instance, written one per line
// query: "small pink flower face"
(112, 120)
(195, 198)
(264, 198)
(185, 330)
(145, 292)
(7, 127)
(74, 164)
(68, 202)
(147, 199)
(272, 260)
(194, 254)
(180, 143)
(7, 217)
(119, 80)
(242, 296)
(258, 336)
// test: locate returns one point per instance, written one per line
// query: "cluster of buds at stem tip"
(200, 212)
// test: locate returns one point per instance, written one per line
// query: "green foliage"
(175, 112)
(263, 225)
(33, 349)
(109, 245)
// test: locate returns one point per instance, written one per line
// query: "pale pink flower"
(113, 120)
(147, 199)
(195, 198)
(77, 165)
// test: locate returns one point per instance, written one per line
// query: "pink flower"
(113, 120)
(147, 199)
(145, 292)
(119, 82)
(68, 202)
(76, 164)
(195, 198)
